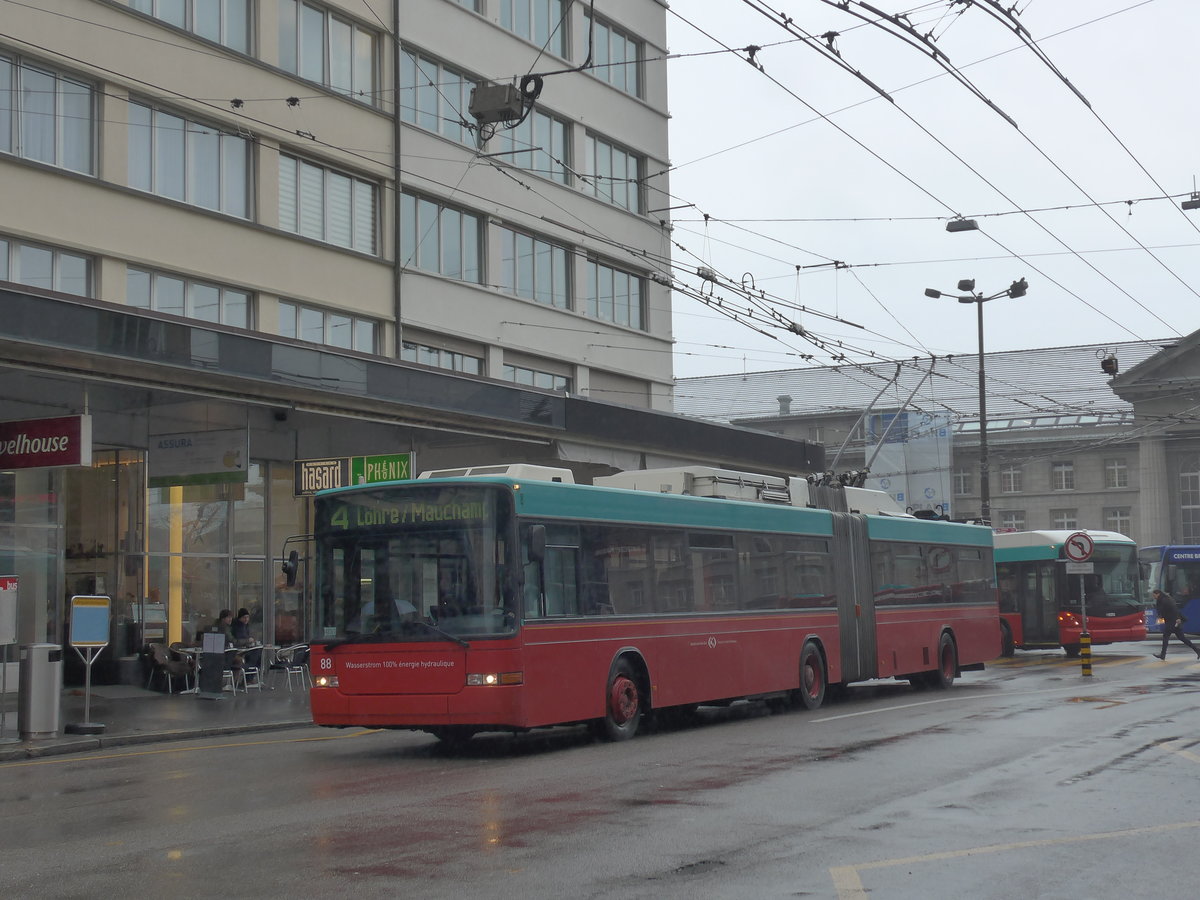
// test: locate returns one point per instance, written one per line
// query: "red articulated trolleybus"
(508, 598)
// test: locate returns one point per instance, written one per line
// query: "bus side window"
(531, 597)
(562, 585)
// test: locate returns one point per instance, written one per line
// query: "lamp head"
(1018, 288)
(930, 292)
(966, 284)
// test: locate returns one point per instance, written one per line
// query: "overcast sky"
(872, 187)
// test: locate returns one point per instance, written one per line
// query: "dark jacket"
(1167, 609)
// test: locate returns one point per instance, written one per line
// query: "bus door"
(1038, 603)
(855, 596)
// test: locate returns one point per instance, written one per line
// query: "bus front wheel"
(812, 676)
(622, 704)
(1072, 650)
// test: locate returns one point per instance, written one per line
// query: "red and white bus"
(511, 598)
(1040, 602)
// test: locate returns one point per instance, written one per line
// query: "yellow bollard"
(1085, 653)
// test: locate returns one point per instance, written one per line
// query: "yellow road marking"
(71, 757)
(849, 885)
(1176, 748)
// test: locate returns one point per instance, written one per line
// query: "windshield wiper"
(447, 635)
(356, 638)
(375, 637)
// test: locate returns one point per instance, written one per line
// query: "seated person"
(240, 633)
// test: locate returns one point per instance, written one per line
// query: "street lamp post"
(1014, 290)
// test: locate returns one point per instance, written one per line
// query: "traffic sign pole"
(1078, 551)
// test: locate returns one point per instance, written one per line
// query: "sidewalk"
(133, 715)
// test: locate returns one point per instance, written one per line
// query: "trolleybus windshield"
(1112, 588)
(420, 563)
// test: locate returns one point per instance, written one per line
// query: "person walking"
(1172, 621)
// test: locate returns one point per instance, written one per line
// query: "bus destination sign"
(350, 515)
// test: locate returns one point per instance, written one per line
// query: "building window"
(326, 205)
(963, 482)
(617, 58)
(183, 160)
(441, 359)
(1010, 480)
(439, 238)
(1189, 500)
(45, 267)
(328, 49)
(614, 295)
(319, 326)
(1064, 519)
(1119, 519)
(45, 116)
(1062, 476)
(534, 268)
(435, 97)
(542, 22)
(1011, 519)
(1116, 473)
(613, 173)
(471, 4)
(818, 434)
(534, 378)
(539, 145)
(185, 297)
(226, 22)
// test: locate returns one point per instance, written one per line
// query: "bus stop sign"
(1078, 547)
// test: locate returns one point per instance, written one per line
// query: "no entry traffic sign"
(1078, 547)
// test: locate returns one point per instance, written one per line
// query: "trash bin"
(39, 693)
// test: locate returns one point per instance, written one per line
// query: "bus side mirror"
(290, 566)
(537, 543)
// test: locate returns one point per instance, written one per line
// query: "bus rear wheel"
(623, 704)
(1007, 645)
(812, 677)
(947, 663)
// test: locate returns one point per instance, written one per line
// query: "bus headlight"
(325, 681)
(489, 679)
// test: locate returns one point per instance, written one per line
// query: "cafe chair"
(163, 665)
(231, 678)
(293, 662)
(252, 673)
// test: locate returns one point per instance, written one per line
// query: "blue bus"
(1175, 569)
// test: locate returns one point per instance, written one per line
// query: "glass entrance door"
(248, 590)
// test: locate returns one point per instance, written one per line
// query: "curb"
(28, 750)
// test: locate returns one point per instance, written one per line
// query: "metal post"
(985, 492)
(1085, 639)
(3, 693)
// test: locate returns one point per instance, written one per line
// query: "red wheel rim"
(948, 661)
(812, 677)
(622, 700)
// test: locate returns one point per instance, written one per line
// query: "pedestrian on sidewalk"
(1172, 621)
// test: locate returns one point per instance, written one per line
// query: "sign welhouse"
(37, 443)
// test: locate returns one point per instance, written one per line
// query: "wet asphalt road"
(1027, 780)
